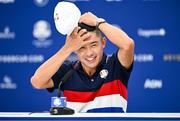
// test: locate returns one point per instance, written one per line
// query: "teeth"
(90, 59)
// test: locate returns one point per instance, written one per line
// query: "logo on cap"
(56, 17)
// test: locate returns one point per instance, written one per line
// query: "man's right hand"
(42, 77)
(77, 39)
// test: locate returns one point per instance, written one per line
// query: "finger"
(82, 32)
(87, 42)
(85, 36)
(83, 17)
(75, 31)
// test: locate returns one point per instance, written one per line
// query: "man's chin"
(91, 66)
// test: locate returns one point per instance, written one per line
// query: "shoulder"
(113, 59)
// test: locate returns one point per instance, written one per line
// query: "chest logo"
(103, 73)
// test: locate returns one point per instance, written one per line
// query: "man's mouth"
(91, 59)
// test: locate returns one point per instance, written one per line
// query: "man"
(99, 82)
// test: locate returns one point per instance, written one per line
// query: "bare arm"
(116, 36)
(42, 77)
(122, 40)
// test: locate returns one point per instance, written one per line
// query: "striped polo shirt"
(104, 91)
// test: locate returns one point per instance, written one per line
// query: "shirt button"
(92, 80)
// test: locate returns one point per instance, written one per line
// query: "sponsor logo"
(153, 32)
(7, 34)
(41, 3)
(21, 58)
(7, 83)
(42, 31)
(153, 84)
(143, 57)
(7, 1)
(171, 57)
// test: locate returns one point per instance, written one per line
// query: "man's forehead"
(93, 36)
(93, 40)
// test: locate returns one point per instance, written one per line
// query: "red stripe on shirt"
(113, 87)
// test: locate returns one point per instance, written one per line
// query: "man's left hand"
(89, 19)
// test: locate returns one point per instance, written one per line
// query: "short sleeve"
(59, 75)
(120, 72)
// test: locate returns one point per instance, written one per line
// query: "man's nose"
(89, 52)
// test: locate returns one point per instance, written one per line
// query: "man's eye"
(82, 48)
(94, 45)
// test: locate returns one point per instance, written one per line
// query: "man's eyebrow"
(94, 42)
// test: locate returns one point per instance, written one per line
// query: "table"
(16, 116)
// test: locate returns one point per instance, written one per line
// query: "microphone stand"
(62, 110)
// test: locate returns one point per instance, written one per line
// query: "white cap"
(66, 17)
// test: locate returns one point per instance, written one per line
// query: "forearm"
(122, 41)
(116, 35)
(44, 73)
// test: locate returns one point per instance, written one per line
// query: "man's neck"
(89, 71)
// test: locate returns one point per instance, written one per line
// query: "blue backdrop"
(28, 37)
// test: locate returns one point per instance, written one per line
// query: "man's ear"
(104, 41)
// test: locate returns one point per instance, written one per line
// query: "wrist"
(100, 21)
(66, 50)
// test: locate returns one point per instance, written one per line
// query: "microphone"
(58, 104)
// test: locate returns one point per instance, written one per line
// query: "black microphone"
(62, 110)
(64, 79)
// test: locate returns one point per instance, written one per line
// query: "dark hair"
(90, 28)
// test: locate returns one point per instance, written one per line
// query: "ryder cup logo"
(104, 73)
(42, 31)
(58, 101)
(41, 3)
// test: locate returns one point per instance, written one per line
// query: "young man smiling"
(99, 82)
